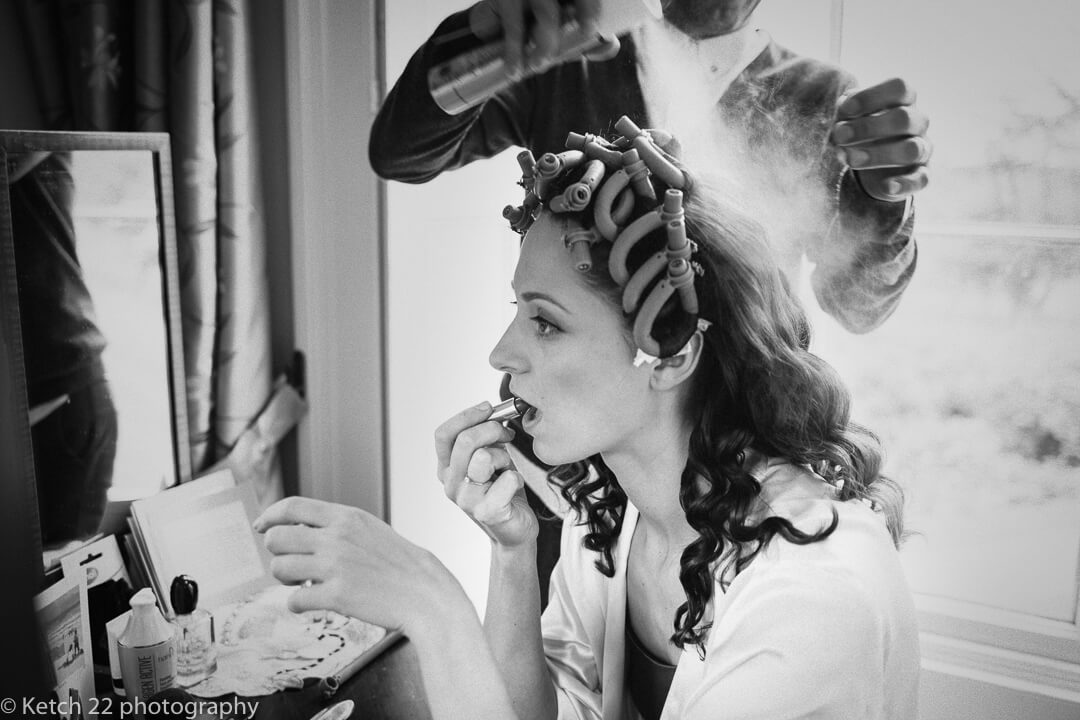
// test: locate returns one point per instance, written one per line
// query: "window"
(974, 383)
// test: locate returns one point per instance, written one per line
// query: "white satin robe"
(825, 630)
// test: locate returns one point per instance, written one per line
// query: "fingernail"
(485, 405)
(857, 157)
(843, 133)
(258, 525)
(893, 187)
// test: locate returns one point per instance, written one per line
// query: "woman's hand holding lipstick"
(478, 475)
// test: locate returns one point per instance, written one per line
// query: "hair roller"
(628, 129)
(522, 216)
(576, 197)
(670, 210)
(640, 280)
(638, 172)
(605, 198)
(660, 166)
(626, 241)
(680, 278)
(647, 315)
(624, 206)
(680, 273)
(550, 165)
(527, 163)
(650, 153)
(592, 147)
(580, 242)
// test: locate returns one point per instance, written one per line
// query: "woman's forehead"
(544, 259)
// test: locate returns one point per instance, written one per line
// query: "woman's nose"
(503, 356)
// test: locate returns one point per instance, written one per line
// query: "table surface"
(388, 688)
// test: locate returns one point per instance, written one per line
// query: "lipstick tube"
(508, 410)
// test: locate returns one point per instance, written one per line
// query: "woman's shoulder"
(857, 558)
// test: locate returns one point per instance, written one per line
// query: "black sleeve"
(413, 140)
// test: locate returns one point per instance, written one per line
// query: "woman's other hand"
(477, 474)
(358, 566)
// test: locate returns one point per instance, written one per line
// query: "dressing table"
(121, 249)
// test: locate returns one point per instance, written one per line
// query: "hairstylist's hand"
(357, 565)
(478, 475)
(882, 136)
(529, 27)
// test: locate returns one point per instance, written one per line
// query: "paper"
(263, 647)
(65, 623)
(218, 560)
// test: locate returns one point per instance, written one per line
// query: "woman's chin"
(555, 454)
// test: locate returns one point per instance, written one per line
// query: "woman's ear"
(670, 372)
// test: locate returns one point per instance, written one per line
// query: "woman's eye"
(543, 327)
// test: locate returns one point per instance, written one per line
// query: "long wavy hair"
(757, 387)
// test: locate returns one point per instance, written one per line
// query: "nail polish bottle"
(196, 658)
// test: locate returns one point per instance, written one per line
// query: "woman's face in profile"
(569, 355)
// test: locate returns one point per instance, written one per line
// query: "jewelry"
(477, 483)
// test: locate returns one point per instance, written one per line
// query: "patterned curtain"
(182, 67)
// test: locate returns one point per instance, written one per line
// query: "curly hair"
(757, 389)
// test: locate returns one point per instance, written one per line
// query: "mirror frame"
(12, 141)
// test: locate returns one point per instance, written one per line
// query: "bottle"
(147, 649)
(196, 658)
(473, 76)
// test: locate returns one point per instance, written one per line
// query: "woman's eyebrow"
(530, 296)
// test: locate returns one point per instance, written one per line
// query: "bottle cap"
(143, 599)
(184, 594)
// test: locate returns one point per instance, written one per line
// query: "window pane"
(974, 386)
(975, 381)
(1000, 84)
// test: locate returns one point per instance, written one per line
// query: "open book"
(202, 528)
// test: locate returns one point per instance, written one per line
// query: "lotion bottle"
(147, 649)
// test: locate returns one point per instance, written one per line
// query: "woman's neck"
(649, 468)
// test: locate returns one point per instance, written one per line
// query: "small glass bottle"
(196, 658)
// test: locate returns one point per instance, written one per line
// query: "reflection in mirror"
(92, 272)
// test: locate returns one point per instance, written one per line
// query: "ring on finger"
(478, 483)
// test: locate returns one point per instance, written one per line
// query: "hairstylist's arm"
(477, 474)
(362, 568)
(529, 27)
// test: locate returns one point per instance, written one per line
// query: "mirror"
(89, 217)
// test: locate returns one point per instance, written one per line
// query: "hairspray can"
(475, 75)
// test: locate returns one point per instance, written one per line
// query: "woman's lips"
(530, 418)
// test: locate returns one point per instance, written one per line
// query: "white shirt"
(825, 630)
(682, 81)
